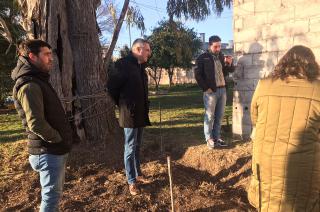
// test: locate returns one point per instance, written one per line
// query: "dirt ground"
(204, 180)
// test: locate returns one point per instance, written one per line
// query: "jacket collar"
(25, 68)
(134, 60)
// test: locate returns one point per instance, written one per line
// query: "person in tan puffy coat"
(285, 113)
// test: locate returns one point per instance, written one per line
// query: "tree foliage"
(10, 33)
(196, 9)
(173, 46)
(124, 51)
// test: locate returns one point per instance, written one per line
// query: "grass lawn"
(10, 127)
(181, 117)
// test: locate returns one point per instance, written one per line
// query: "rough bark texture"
(70, 27)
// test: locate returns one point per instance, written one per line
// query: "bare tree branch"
(5, 32)
(116, 33)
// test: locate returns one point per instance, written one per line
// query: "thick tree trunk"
(90, 77)
(70, 27)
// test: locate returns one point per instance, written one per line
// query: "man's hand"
(209, 90)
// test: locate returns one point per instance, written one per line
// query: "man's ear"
(139, 49)
(32, 56)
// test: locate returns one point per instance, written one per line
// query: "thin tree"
(175, 46)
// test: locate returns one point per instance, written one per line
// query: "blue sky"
(155, 10)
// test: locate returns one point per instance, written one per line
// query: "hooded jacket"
(41, 111)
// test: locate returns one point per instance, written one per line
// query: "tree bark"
(70, 27)
(170, 74)
(159, 78)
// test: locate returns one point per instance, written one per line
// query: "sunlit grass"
(11, 128)
(182, 114)
(181, 117)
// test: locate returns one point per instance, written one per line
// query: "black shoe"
(220, 143)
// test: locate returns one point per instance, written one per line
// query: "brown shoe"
(133, 188)
(143, 180)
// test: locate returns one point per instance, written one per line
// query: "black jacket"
(205, 71)
(128, 86)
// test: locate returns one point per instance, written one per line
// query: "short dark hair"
(300, 62)
(213, 39)
(32, 46)
(140, 40)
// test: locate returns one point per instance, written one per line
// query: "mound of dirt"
(223, 163)
(204, 180)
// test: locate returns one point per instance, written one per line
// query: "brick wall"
(263, 32)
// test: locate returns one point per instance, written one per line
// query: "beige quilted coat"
(286, 146)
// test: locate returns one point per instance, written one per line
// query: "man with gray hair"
(128, 86)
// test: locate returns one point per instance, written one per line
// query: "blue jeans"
(214, 104)
(52, 174)
(132, 143)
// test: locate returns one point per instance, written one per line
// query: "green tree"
(124, 51)
(173, 46)
(134, 18)
(196, 9)
(10, 33)
(154, 69)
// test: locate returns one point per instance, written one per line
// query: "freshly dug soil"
(203, 180)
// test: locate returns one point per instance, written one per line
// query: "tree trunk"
(155, 74)
(170, 74)
(159, 79)
(70, 27)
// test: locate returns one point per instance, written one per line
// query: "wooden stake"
(161, 142)
(170, 180)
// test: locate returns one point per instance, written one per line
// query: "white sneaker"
(210, 143)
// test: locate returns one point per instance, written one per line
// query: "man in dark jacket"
(49, 132)
(128, 86)
(211, 69)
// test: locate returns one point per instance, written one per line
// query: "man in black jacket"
(211, 69)
(48, 129)
(128, 86)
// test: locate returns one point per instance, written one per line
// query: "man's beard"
(44, 68)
